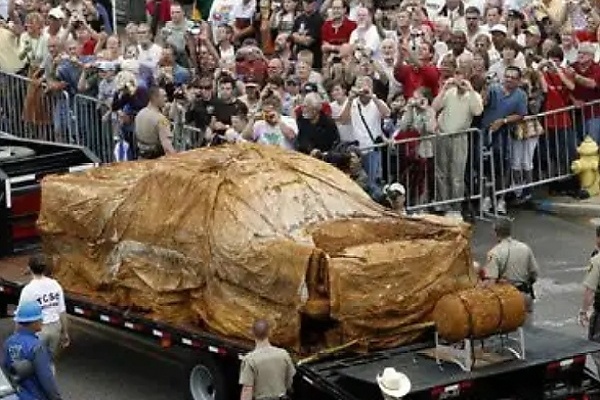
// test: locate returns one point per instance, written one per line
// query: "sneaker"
(501, 207)
(486, 205)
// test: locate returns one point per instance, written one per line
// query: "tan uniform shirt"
(593, 273)
(149, 126)
(269, 370)
(512, 260)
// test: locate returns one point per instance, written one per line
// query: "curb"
(568, 209)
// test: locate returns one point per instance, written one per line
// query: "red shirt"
(339, 35)
(88, 47)
(413, 78)
(557, 97)
(586, 36)
(587, 94)
(164, 14)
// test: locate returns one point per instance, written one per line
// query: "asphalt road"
(103, 365)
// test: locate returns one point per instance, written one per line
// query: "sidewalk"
(569, 206)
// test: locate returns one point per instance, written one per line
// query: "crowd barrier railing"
(439, 171)
(537, 151)
(28, 109)
(95, 126)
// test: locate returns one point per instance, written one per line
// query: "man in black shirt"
(226, 106)
(203, 108)
(306, 33)
(316, 130)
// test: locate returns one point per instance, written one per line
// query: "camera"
(490, 78)
(179, 94)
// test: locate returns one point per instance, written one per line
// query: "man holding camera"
(274, 128)
(457, 105)
(365, 111)
(417, 73)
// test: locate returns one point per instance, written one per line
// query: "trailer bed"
(14, 275)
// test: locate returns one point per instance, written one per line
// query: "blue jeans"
(592, 128)
(371, 163)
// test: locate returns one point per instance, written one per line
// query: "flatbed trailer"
(554, 367)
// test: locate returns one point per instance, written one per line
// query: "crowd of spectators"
(334, 79)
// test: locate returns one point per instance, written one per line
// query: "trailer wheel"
(15, 152)
(206, 380)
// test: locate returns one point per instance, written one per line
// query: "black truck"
(553, 365)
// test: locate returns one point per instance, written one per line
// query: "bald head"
(260, 329)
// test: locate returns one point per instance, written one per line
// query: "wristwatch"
(504, 121)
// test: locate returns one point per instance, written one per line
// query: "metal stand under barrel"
(464, 353)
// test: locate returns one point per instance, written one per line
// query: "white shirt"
(244, 11)
(368, 38)
(345, 130)
(49, 294)
(372, 117)
(151, 56)
(221, 13)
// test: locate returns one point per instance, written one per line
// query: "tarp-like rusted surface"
(221, 236)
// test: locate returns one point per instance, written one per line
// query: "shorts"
(51, 336)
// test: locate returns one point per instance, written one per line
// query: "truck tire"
(206, 379)
(15, 152)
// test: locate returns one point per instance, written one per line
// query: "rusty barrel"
(479, 312)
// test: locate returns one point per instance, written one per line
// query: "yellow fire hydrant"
(587, 166)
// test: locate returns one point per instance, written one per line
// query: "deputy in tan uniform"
(512, 261)
(152, 128)
(591, 297)
(267, 372)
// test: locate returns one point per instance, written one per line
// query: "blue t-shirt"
(501, 105)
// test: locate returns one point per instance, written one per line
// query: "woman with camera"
(415, 154)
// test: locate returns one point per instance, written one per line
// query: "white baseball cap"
(393, 383)
(57, 13)
(394, 187)
(499, 28)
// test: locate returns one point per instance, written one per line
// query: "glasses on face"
(205, 87)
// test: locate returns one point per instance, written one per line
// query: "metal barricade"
(95, 126)
(537, 151)
(186, 137)
(29, 110)
(439, 171)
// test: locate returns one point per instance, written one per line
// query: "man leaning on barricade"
(509, 54)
